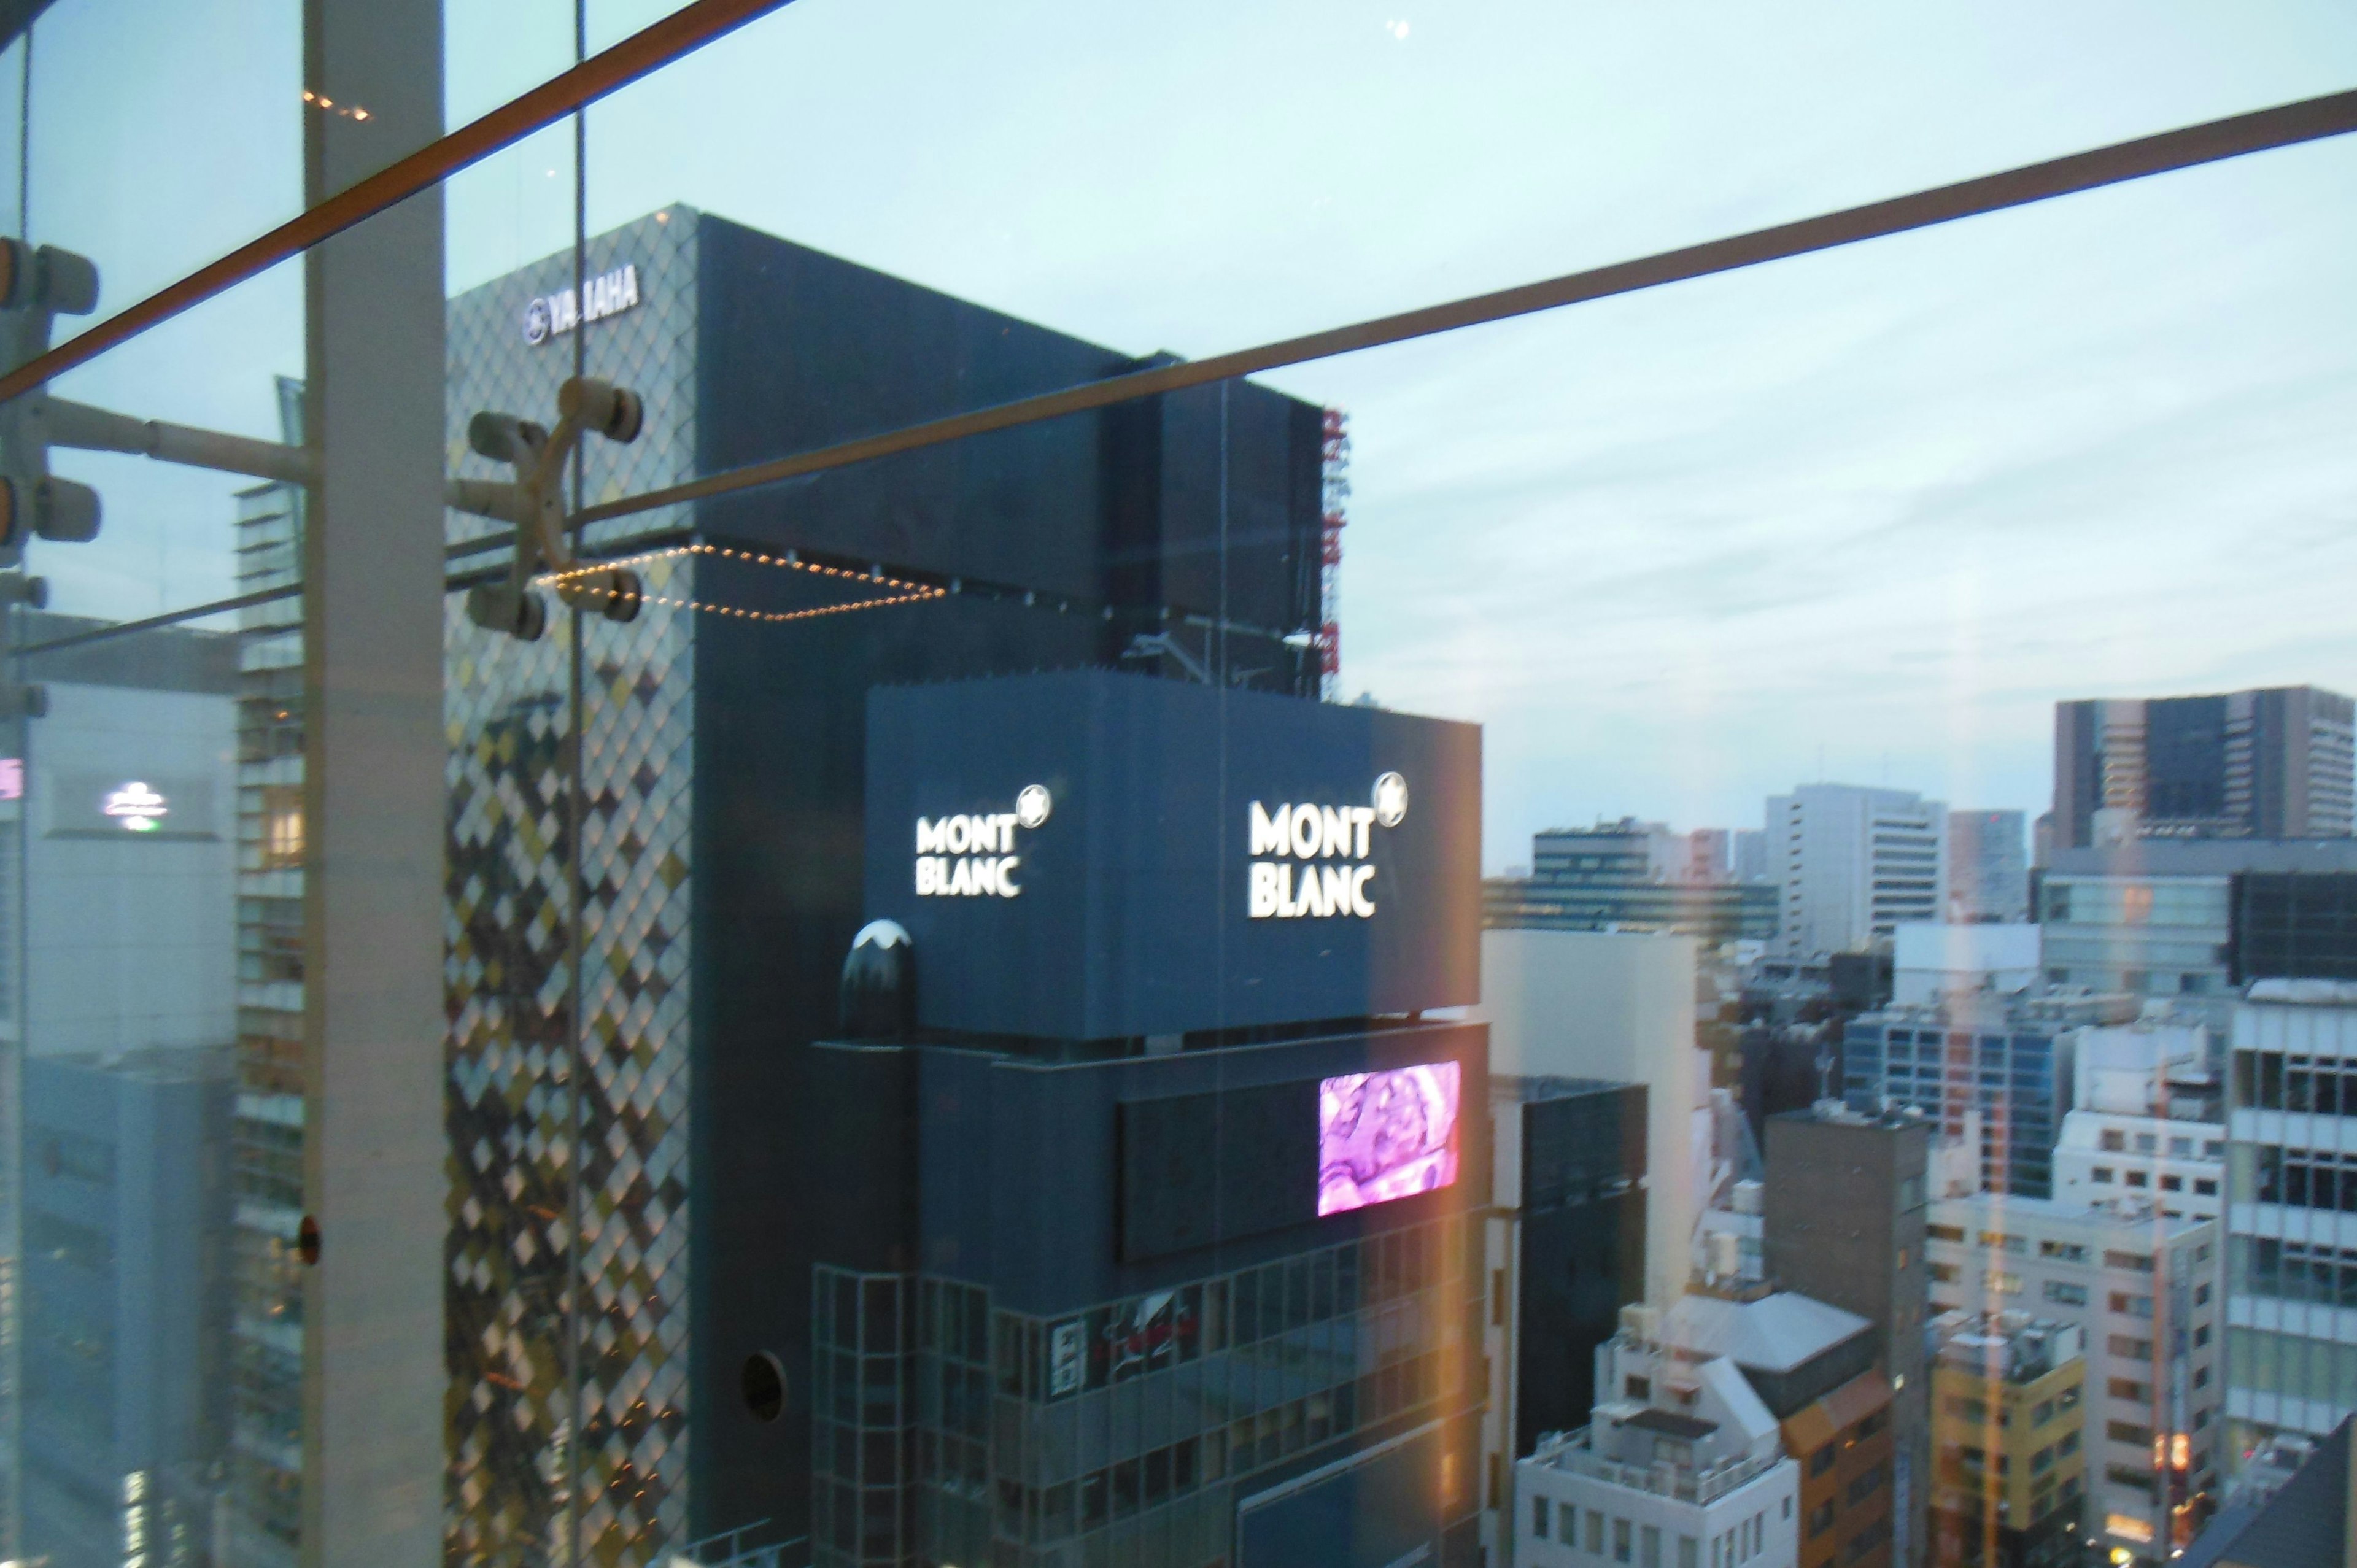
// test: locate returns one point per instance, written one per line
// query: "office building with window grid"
(2144, 1290)
(2012, 1060)
(2291, 1189)
(2276, 763)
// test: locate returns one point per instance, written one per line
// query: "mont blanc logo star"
(1031, 805)
(1391, 800)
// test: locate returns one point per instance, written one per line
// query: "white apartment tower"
(1852, 862)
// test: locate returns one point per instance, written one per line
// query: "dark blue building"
(1169, 1244)
(714, 858)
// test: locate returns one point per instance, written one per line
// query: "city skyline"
(1882, 506)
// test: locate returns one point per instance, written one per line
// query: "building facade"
(2142, 1289)
(1851, 863)
(1814, 1366)
(125, 1315)
(1565, 1244)
(628, 1121)
(2291, 1217)
(2167, 918)
(2013, 1061)
(1681, 1465)
(2147, 1123)
(2009, 1407)
(2272, 763)
(1846, 1203)
(1988, 867)
(1636, 877)
(1617, 1006)
(1149, 1248)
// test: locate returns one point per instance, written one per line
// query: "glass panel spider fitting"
(534, 503)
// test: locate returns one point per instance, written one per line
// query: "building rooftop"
(2012, 1347)
(1773, 1332)
(2304, 993)
(1989, 1010)
(1842, 1113)
(2141, 1215)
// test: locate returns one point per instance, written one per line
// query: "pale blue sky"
(1883, 506)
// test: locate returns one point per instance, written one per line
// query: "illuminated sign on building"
(135, 806)
(553, 315)
(1313, 832)
(973, 856)
(1386, 1135)
(1215, 860)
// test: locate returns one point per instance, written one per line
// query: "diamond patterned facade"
(569, 1073)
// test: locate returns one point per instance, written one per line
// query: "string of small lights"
(905, 592)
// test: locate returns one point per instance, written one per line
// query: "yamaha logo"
(553, 315)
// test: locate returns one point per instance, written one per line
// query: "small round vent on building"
(765, 1385)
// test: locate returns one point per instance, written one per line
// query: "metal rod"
(2288, 126)
(91, 429)
(688, 28)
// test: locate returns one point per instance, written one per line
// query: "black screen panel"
(1196, 1169)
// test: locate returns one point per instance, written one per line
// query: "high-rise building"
(1681, 1465)
(1988, 867)
(1851, 863)
(1618, 1006)
(2007, 1433)
(633, 1220)
(1844, 1204)
(1636, 877)
(266, 1478)
(2274, 763)
(1710, 855)
(2141, 1288)
(1566, 1250)
(1148, 1247)
(1749, 855)
(2013, 1061)
(2291, 1251)
(2168, 917)
(125, 1316)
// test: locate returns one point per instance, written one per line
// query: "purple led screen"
(1383, 1136)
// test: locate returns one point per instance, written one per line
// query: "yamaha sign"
(553, 315)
